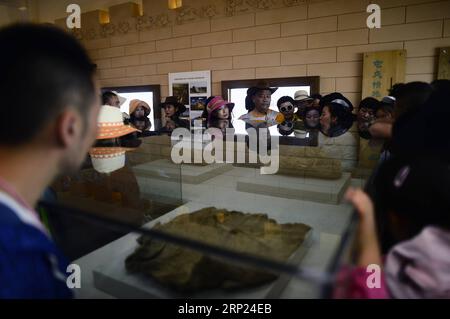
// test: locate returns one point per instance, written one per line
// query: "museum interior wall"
(139, 185)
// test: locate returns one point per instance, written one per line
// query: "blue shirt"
(30, 264)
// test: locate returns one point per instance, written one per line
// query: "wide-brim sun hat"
(134, 104)
(110, 123)
(107, 159)
(337, 99)
(217, 102)
(173, 100)
(261, 86)
(302, 96)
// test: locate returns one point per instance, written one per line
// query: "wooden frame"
(155, 89)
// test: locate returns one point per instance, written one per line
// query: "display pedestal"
(112, 277)
(310, 189)
(163, 179)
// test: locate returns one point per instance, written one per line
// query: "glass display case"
(141, 226)
(240, 211)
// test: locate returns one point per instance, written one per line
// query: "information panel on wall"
(192, 89)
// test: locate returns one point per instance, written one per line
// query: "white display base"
(164, 179)
(112, 277)
(310, 189)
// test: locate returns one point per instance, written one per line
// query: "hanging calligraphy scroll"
(381, 70)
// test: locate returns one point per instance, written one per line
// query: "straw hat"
(134, 104)
(302, 95)
(110, 123)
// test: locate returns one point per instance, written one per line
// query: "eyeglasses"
(289, 108)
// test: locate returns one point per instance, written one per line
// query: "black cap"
(417, 188)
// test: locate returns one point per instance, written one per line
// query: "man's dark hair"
(43, 70)
(106, 97)
(369, 103)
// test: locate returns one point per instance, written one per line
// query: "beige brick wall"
(324, 38)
